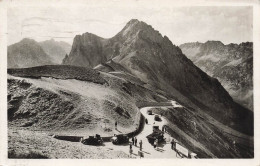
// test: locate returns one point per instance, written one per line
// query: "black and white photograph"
(134, 80)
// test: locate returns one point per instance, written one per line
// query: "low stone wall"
(68, 138)
(152, 104)
(168, 130)
(105, 139)
(139, 129)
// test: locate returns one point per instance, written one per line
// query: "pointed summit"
(133, 21)
(28, 41)
(138, 29)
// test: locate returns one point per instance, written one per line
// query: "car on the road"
(92, 140)
(120, 139)
(157, 118)
(149, 112)
(155, 128)
(157, 134)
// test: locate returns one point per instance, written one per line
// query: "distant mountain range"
(29, 53)
(143, 52)
(232, 64)
(56, 49)
(26, 53)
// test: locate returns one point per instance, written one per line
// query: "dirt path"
(164, 149)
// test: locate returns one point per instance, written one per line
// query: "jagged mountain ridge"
(145, 53)
(56, 49)
(232, 64)
(26, 53)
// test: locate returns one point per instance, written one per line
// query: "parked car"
(157, 118)
(120, 139)
(92, 140)
(155, 128)
(157, 134)
(149, 112)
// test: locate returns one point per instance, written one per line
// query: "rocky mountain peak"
(27, 41)
(135, 28)
(212, 44)
(86, 38)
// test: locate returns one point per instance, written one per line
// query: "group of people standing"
(134, 142)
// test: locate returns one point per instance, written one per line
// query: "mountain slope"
(56, 50)
(232, 64)
(26, 53)
(70, 100)
(73, 100)
(146, 54)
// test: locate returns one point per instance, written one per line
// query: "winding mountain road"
(164, 149)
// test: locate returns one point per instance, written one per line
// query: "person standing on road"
(116, 125)
(135, 141)
(172, 143)
(130, 150)
(146, 121)
(157, 143)
(141, 144)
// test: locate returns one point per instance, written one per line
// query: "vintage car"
(92, 140)
(120, 139)
(149, 112)
(157, 118)
(157, 134)
(155, 128)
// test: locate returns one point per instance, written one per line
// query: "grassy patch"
(26, 155)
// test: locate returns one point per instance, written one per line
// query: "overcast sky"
(180, 24)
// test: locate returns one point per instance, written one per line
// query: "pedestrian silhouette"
(141, 144)
(130, 149)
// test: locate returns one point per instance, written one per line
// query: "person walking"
(172, 143)
(146, 121)
(141, 144)
(157, 143)
(135, 141)
(130, 149)
(154, 144)
(116, 125)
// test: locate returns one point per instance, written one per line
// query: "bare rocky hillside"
(232, 64)
(143, 52)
